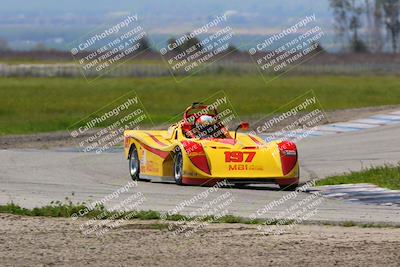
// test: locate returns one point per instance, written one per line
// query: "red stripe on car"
(156, 140)
(160, 153)
(255, 140)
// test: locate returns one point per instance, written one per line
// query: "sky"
(56, 23)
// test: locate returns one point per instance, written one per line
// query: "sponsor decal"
(244, 167)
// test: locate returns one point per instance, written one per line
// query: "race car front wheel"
(178, 167)
(134, 166)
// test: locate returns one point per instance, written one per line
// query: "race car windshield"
(211, 132)
(207, 126)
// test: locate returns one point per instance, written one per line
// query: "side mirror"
(243, 125)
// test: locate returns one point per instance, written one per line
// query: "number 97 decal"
(238, 156)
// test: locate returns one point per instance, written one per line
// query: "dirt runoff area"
(39, 241)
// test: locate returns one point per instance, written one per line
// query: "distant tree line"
(144, 45)
(366, 25)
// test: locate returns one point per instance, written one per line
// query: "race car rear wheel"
(134, 164)
(178, 167)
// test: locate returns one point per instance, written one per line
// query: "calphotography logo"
(298, 119)
(103, 130)
(112, 216)
(293, 208)
(217, 108)
(105, 48)
(202, 209)
(193, 51)
(282, 51)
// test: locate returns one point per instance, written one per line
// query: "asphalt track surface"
(34, 178)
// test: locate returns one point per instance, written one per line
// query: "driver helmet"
(205, 120)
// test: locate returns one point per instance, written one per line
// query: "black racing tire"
(134, 163)
(178, 167)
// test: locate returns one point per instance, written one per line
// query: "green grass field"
(158, 221)
(383, 176)
(31, 105)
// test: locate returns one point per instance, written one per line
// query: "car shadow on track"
(256, 187)
(261, 187)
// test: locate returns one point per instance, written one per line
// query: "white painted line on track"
(371, 121)
(386, 117)
(360, 193)
(353, 124)
(333, 128)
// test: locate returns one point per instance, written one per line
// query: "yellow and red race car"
(199, 150)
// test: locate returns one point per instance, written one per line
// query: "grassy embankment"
(383, 176)
(32, 105)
